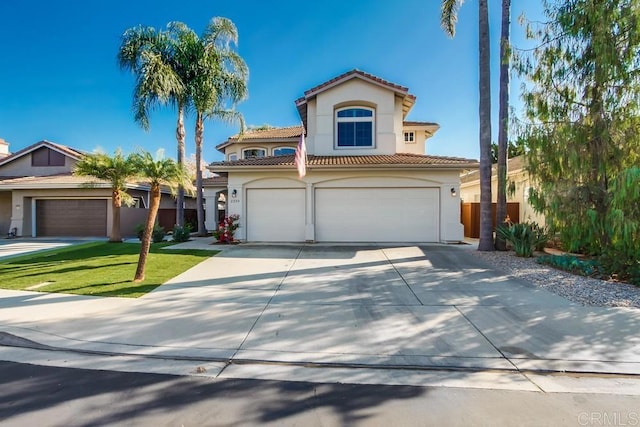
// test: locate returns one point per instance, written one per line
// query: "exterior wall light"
(234, 193)
(453, 192)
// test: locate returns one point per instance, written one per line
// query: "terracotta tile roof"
(399, 160)
(215, 181)
(66, 180)
(71, 152)
(351, 73)
(52, 180)
(407, 99)
(289, 132)
(408, 123)
(513, 165)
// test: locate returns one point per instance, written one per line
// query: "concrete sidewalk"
(415, 315)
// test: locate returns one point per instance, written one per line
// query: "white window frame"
(371, 119)
(232, 157)
(409, 137)
(244, 151)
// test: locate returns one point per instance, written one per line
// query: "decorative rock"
(581, 290)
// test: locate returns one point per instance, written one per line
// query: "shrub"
(157, 235)
(226, 229)
(524, 237)
(572, 264)
(181, 234)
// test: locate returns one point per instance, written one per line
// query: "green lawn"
(98, 268)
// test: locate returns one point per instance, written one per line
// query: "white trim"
(409, 137)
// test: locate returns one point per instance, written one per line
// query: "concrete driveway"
(275, 311)
(22, 246)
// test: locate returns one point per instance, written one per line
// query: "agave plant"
(524, 237)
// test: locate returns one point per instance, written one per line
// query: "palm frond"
(449, 16)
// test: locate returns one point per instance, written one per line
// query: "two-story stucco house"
(367, 180)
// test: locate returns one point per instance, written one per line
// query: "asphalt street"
(33, 395)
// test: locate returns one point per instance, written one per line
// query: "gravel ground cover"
(581, 290)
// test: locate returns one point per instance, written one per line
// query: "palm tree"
(116, 170)
(448, 19)
(220, 80)
(154, 58)
(503, 120)
(157, 172)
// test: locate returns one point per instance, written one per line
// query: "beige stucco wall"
(450, 227)
(22, 167)
(355, 92)
(470, 192)
(419, 146)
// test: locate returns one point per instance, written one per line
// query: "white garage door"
(275, 215)
(377, 215)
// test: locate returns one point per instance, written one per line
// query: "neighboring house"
(518, 187)
(368, 179)
(40, 197)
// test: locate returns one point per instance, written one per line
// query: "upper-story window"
(254, 153)
(355, 127)
(409, 137)
(233, 157)
(46, 157)
(283, 151)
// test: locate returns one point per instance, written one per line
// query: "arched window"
(283, 151)
(355, 127)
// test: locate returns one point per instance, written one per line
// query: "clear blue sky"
(59, 79)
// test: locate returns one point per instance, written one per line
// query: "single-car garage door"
(71, 217)
(276, 215)
(377, 214)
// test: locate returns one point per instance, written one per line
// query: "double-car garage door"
(71, 217)
(345, 215)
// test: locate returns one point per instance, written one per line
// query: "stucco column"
(236, 206)
(451, 228)
(310, 228)
(17, 213)
(211, 214)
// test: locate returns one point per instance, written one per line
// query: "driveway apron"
(428, 306)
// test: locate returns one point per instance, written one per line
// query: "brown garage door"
(80, 217)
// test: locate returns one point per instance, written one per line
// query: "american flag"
(301, 156)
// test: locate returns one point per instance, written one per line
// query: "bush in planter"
(524, 237)
(226, 229)
(181, 234)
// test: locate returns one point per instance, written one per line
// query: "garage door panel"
(276, 215)
(377, 214)
(71, 217)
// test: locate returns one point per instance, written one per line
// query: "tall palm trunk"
(503, 130)
(116, 204)
(154, 206)
(180, 137)
(486, 221)
(202, 230)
